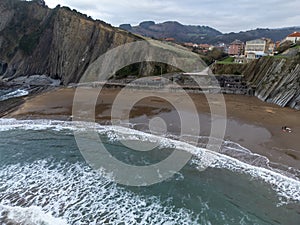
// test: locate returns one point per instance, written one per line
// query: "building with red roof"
(294, 37)
(170, 39)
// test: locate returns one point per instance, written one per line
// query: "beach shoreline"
(253, 124)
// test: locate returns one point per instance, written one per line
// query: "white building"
(294, 37)
(258, 48)
(255, 49)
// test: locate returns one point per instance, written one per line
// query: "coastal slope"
(59, 42)
(276, 80)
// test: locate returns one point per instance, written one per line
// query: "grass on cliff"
(277, 56)
(228, 60)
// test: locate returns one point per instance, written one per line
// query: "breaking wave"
(232, 156)
(80, 195)
(32, 215)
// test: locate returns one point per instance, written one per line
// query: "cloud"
(226, 16)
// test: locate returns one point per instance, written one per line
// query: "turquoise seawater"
(44, 179)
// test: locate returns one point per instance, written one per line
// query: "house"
(294, 37)
(236, 48)
(189, 44)
(240, 59)
(204, 46)
(255, 49)
(222, 46)
(260, 47)
(277, 44)
(170, 39)
(271, 47)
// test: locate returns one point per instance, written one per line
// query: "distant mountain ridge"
(203, 34)
(275, 34)
(172, 29)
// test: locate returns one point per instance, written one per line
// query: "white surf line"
(282, 182)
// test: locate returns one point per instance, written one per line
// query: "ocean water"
(44, 179)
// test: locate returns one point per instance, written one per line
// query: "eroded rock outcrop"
(276, 80)
(59, 43)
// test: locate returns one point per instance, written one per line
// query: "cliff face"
(59, 43)
(233, 69)
(277, 80)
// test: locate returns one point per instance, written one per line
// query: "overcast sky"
(223, 15)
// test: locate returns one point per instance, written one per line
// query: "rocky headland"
(59, 42)
(42, 48)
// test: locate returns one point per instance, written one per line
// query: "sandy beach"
(252, 123)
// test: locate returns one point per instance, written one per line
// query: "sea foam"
(32, 215)
(76, 193)
(286, 187)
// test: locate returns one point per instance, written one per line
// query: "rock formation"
(62, 43)
(276, 80)
(59, 42)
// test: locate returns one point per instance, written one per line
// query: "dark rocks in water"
(16, 92)
(36, 80)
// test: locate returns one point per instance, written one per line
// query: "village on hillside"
(241, 52)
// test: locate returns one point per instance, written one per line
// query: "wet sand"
(252, 123)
